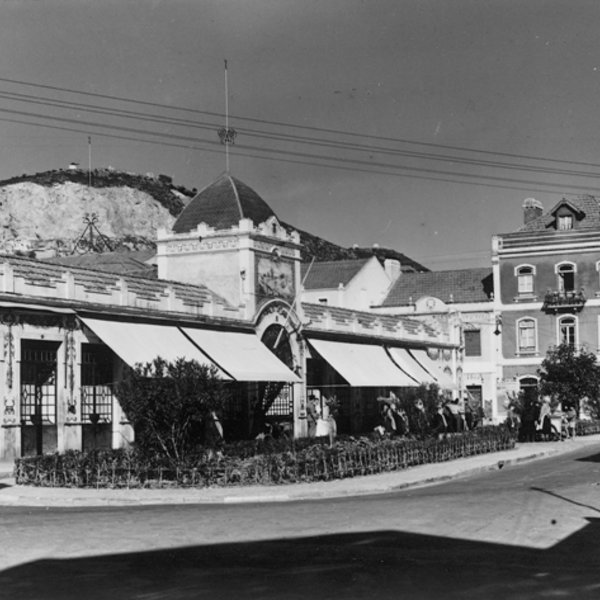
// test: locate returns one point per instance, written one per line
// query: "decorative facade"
(228, 293)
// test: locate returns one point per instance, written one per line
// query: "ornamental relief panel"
(202, 246)
(8, 357)
(70, 362)
(268, 248)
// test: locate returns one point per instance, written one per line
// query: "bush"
(587, 427)
(265, 462)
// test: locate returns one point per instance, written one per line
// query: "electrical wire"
(296, 126)
(541, 187)
(319, 142)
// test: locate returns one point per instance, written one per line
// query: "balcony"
(571, 301)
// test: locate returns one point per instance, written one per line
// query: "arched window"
(567, 331)
(526, 335)
(525, 275)
(528, 386)
(566, 276)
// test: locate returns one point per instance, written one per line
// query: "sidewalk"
(18, 495)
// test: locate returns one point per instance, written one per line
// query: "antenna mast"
(89, 162)
(227, 135)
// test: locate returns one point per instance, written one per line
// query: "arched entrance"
(279, 404)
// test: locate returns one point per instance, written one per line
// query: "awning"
(444, 380)
(143, 342)
(362, 365)
(410, 366)
(242, 355)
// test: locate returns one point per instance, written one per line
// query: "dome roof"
(221, 205)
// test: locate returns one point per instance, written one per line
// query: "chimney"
(392, 268)
(532, 209)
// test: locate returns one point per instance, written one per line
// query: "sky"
(420, 125)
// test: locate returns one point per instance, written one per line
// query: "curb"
(41, 500)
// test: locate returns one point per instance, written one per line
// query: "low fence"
(585, 427)
(315, 462)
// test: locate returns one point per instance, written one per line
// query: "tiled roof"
(123, 263)
(221, 205)
(587, 204)
(463, 285)
(329, 274)
(47, 274)
(318, 314)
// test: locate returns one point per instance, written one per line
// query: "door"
(38, 397)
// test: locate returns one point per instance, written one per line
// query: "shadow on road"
(592, 458)
(377, 564)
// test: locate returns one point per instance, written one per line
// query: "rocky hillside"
(46, 214)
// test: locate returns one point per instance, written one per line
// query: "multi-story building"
(547, 282)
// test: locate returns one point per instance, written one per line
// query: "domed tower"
(229, 239)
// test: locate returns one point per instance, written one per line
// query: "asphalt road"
(529, 531)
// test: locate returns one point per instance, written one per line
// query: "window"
(526, 336)
(566, 277)
(473, 342)
(564, 222)
(96, 383)
(567, 331)
(323, 301)
(525, 280)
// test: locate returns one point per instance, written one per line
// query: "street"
(525, 531)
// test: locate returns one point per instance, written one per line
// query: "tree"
(171, 405)
(568, 376)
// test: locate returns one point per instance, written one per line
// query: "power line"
(295, 139)
(335, 159)
(303, 127)
(529, 186)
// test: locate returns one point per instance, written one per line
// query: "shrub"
(268, 462)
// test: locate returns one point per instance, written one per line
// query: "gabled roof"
(463, 285)
(221, 205)
(329, 274)
(586, 207)
(569, 204)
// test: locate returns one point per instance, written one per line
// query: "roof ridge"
(233, 183)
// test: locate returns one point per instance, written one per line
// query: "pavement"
(21, 495)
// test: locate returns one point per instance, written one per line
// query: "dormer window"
(566, 215)
(564, 222)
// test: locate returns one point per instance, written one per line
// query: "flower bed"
(252, 463)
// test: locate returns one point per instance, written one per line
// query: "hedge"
(284, 462)
(587, 427)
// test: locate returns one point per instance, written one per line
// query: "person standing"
(544, 424)
(571, 416)
(440, 423)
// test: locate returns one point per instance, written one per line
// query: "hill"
(46, 214)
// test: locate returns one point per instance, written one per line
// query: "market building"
(228, 292)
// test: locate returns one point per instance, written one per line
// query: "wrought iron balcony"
(571, 301)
